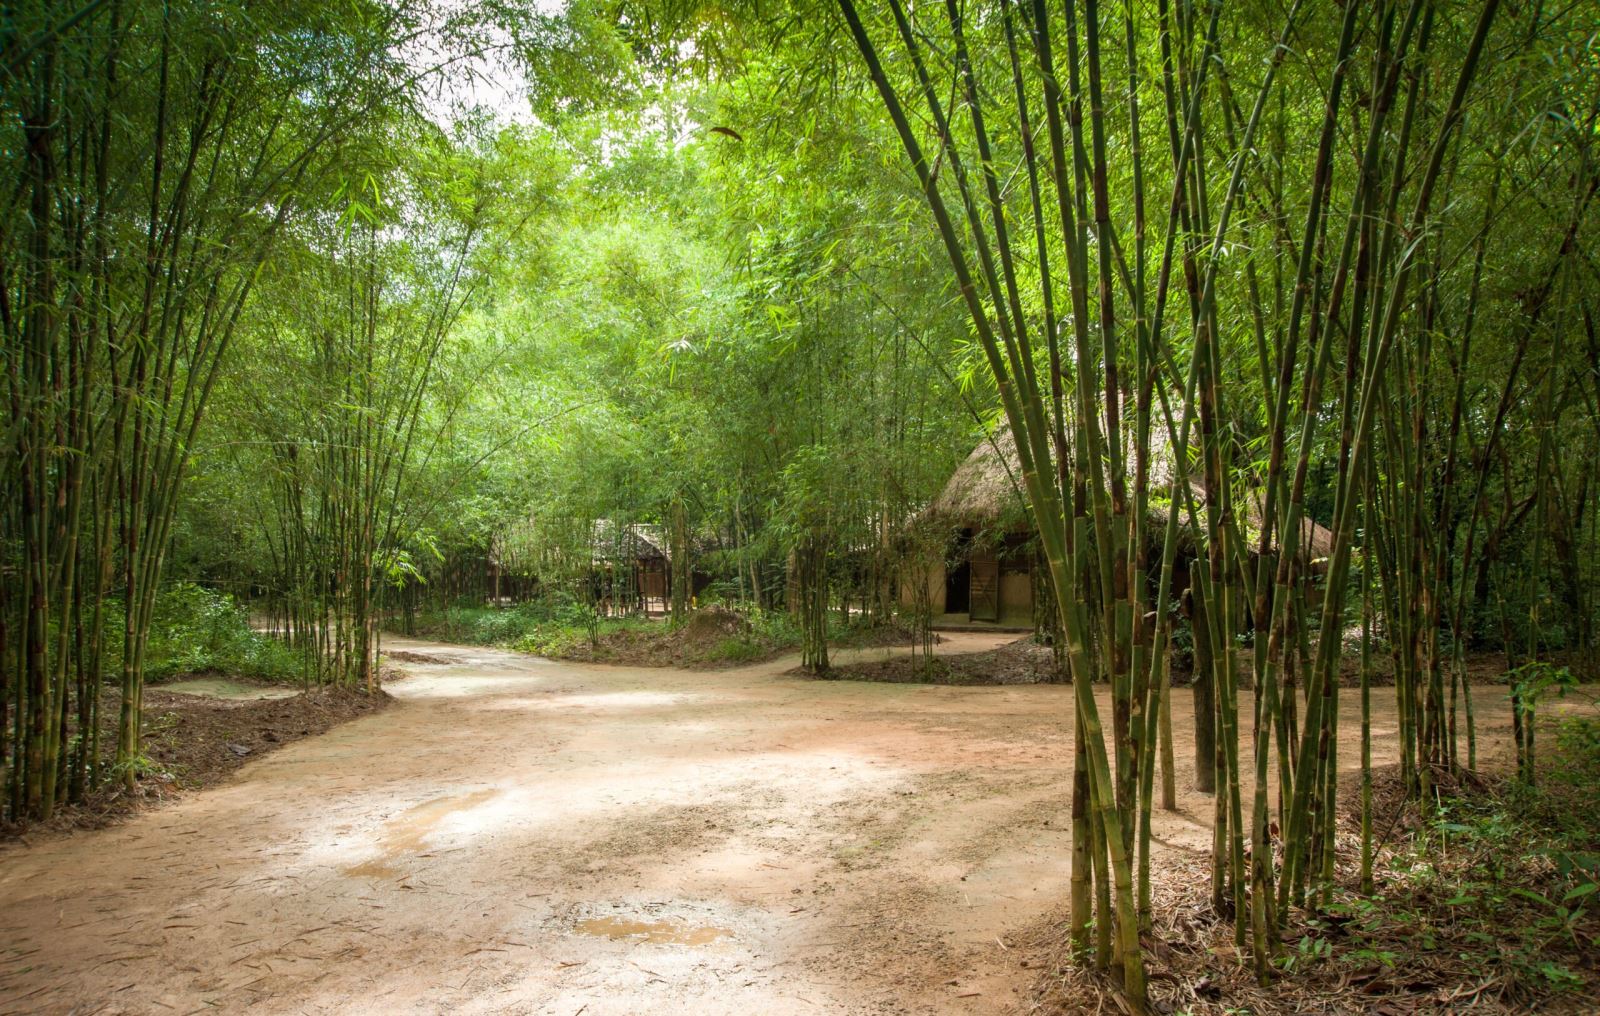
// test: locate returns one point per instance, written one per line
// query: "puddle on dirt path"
(404, 833)
(655, 932)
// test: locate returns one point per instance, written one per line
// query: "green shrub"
(551, 640)
(737, 650)
(773, 627)
(197, 630)
(499, 626)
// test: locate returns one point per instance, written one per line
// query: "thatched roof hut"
(985, 493)
(985, 577)
(640, 541)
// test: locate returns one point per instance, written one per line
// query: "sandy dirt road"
(521, 836)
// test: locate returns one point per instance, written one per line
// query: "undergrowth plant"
(1505, 880)
(1531, 682)
(195, 630)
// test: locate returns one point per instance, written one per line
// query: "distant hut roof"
(985, 493)
(1316, 540)
(985, 489)
(634, 541)
(646, 541)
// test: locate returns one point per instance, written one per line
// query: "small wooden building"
(986, 579)
(635, 562)
(646, 550)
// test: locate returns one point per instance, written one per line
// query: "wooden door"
(985, 590)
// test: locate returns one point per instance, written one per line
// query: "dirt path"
(521, 836)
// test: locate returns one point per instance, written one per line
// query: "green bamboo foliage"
(361, 320)
(159, 150)
(1355, 321)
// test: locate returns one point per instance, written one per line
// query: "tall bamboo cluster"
(347, 416)
(152, 153)
(1236, 262)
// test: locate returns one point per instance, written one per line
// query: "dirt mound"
(1021, 662)
(198, 742)
(714, 622)
(407, 656)
(226, 688)
(713, 638)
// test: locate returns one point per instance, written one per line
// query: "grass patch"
(564, 639)
(737, 650)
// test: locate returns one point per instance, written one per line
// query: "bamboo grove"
(1266, 235)
(154, 152)
(339, 420)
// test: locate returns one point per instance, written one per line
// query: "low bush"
(542, 627)
(563, 638)
(1505, 879)
(485, 626)
(195, 630)
(737, 650)
(716, 634)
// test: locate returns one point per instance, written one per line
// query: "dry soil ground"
(520, 836)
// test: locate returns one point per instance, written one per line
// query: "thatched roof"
(638, 540)
(530, 544)
(1316, 540)
(985, 492)
(986, 488)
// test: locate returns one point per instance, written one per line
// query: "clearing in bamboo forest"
(618, 506)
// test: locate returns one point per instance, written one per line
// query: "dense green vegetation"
(1506, 876)
(194, 630)
(713, 309)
